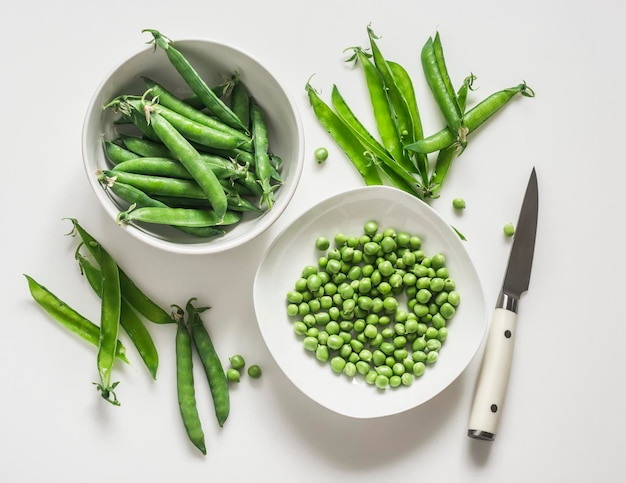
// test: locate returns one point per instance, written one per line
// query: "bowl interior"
(214, 62)
(294, 248)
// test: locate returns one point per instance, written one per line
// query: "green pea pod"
(213, 368)
(134, 196)
(383, 113)
(185, 388)
(110, 310)
(474, 118)
(396, 173)
(129, 320)
(156, 185)
(145, 147)
(405, 85)
(212, 102)
(344, 138)
(440, 85)
(188, 217)
(117, 154)
(263, 165)
(194, 131)
(130, 291)
(69, 318)
(170, 101)
(397, 102)
(190, 159)
(240, 103)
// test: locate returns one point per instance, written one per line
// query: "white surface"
(294, 248)
(564, 418)
(212, 60)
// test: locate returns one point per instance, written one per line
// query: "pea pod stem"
(69, 318)
(474, 118)
(195, 82)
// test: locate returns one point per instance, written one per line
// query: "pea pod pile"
(198, 164)
(125, 307)
(404, 156)
(347, 311)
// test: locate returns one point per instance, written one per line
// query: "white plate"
(294, 248)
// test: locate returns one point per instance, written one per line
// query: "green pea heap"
(347, 308)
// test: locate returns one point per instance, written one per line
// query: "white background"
(564, 415)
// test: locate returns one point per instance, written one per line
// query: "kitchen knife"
(496, 364)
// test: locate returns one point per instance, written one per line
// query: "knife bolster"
(507, 302)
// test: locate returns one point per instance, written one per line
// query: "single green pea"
(403, 239)
(436, 284)
(454, 298)
(419, 368)
(381, 381)
(378, 358)
(334, 341)
(447, 311)
(386, 268)
(438, 321)
(321, 155)
(314, 306)
(294, 297)
(337, 364)
(322, 353)
(362, 367)
(333, 266)
(322, 243)
(340, 239)
(233, 375)
(237, 361)
(400, 354)
(442, 272)
(300, 327)
(322, 337)
(292, 310)
(333, 327)
(387, 348)
(431, 333)
(313, 332)
(310, 343)
(254, 371)
(419, 344)
(458, 203)
(390, 304)
(415, 242)
(406, 379)
(370, 228)
(365, 355)
(349, 369)
(442, 334)
(387, 332)
(408, 364)
(346, 350)
(433, 345)
(370, 377)
(300, 285)
(322, 262)
(432, 357)
(509, 229)
(395, 381)
(410, 326)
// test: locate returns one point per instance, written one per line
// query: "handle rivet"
(507, 334)
(494, 408)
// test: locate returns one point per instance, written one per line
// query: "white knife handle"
(493, 377)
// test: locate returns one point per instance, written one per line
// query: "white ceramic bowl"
(294, 248)
(213, 60)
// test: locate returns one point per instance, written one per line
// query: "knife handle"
(493, 377)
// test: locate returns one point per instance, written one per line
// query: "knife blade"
(494, 373)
